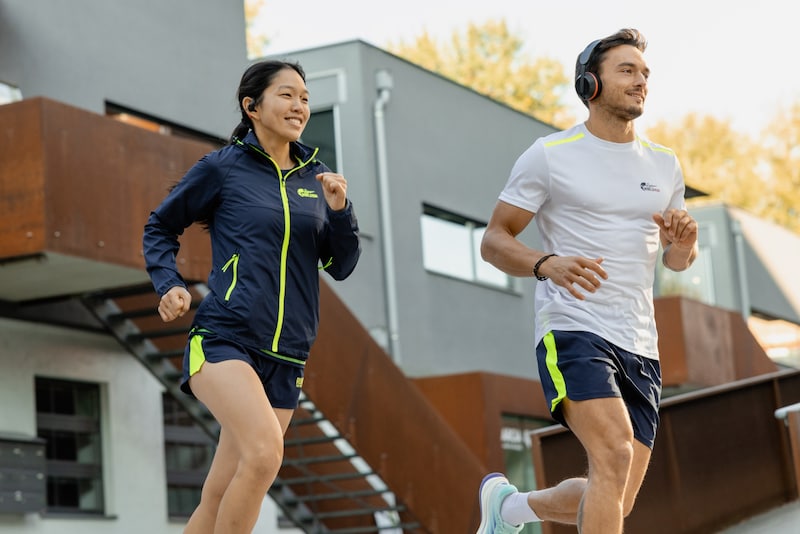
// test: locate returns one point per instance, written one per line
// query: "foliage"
(760, 176)
(256, 40)
(490, 60)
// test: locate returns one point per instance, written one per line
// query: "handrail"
(783, 413)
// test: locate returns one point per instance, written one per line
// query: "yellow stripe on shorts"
(196, 355)
(551, 359)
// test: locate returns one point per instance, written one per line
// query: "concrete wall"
(451, 147)
(131, 421)
(132, 427)
(179, 60)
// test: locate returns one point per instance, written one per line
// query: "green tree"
(490, 60)
(781, 142)
(256, 40)
(715, 159)
(759, 175)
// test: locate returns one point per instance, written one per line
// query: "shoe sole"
(488, 484)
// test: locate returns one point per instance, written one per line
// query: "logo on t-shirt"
(649, 187)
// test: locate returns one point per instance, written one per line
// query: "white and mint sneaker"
(494, 488)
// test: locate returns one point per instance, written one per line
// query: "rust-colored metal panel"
(671, 342)
(82, 185)
(22, 222)
(103, 178)
(474, 403)
(720, 457)
(391, 424)
(706, 346)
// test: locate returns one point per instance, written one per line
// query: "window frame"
(79, 425)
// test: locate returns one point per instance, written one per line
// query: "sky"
(734, 60)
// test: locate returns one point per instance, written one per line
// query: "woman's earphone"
(587, 84)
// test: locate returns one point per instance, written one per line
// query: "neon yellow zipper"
(286, 234)
(235, 262)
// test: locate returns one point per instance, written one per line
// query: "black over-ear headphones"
(587, 84)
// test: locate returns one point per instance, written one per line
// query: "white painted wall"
(133, 440)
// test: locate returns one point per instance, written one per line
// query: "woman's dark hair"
(255, 79)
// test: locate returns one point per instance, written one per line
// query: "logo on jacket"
(307, 193)
(649, 187)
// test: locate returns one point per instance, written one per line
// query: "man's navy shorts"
(581, 366)
(282, 382)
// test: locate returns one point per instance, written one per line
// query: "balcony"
(76, 189)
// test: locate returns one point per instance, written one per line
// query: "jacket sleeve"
(342, 245)
(192, 199)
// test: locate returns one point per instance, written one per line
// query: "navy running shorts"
(581, 366)
(282, 382)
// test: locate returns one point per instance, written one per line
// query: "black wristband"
(539, 264)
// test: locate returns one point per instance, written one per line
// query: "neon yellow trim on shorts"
(284, 358)
(196, 355)
(551, 359)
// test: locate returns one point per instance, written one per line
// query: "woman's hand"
(334, 186)
(175, 303)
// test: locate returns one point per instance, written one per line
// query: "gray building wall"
(179, 60)
(450, 147)
(753, 262)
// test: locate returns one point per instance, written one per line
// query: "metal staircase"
(323, 486)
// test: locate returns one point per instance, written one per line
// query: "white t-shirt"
(596, 199)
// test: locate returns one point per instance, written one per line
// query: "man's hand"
(572, 271)
(679, 238)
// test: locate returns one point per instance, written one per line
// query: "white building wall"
(132, 427)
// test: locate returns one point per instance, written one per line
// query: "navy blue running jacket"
(271, 232)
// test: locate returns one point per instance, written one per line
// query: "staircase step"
(339, 495)
(315, 440)
(337, 477)
(293, 462)
(359, 511)
(150, 334)
(410, 527)
(165, 355)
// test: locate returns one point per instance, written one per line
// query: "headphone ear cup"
(588, 86)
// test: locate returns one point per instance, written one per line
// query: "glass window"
(188, 452)
(155, 124)
(68, 418)
(451, 246)
(696, 282)
(515, 436)
(9, 93)
(320, 132)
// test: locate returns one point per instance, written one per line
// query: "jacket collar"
(296, 149)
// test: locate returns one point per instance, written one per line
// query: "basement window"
(68, 419)
(451, 246)
(188, 453)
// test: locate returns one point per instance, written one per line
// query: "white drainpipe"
(384, 84)
(741, 268)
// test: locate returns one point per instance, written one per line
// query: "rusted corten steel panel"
(706, 346)
(474, 404)
(22, 198)
(720, 456)
(391, 424)
(81, 184)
